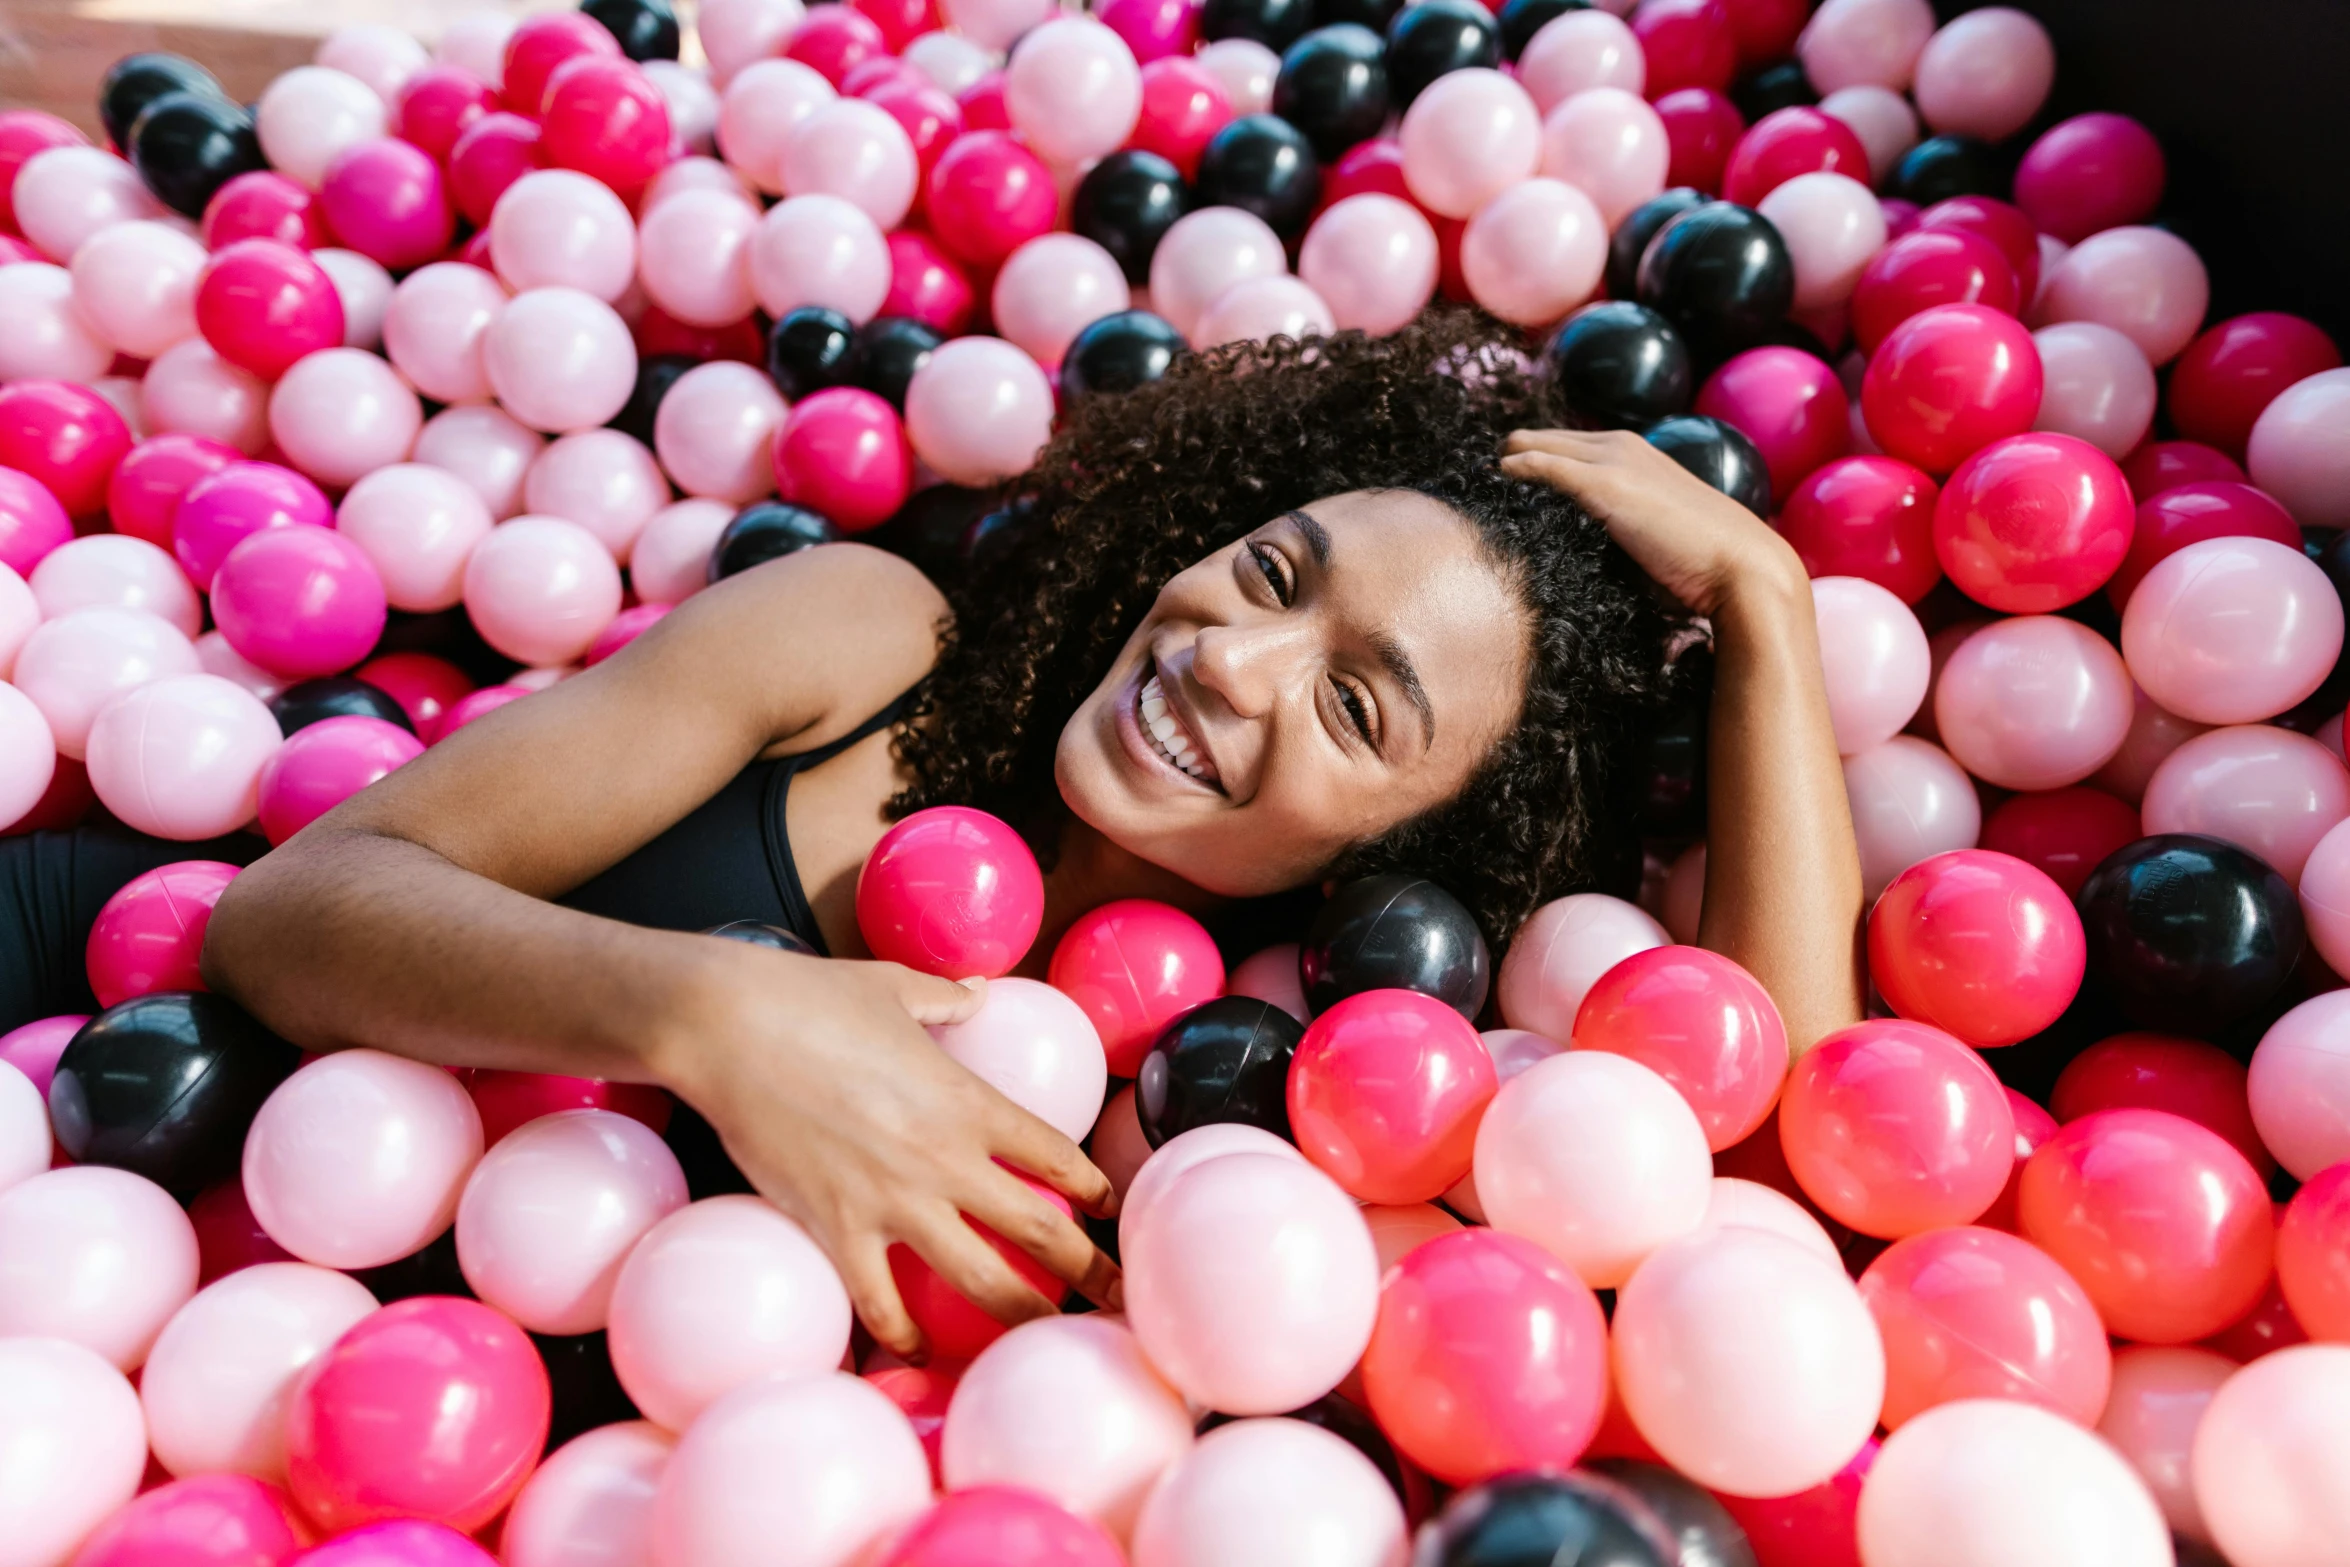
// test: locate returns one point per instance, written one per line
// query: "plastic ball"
(2158, 1398)
(978, 411)
(715, 430)
(1534, 252)
(1561, 951)
(149, 934)
(2267, 790)
(324, 765)
(1875, 657)
(1000, 1524)
(65, 438)
(1263, 1492)
(418, 525)
(1981, 945)
(64, 195)
(950, 891)
(343, 413)
(1788, 403)
(385, 199)
(216, 1520)
(1027, 1040)
(2146, 283)
(2267, 1462)
(263, 304)
(1385, 1093)
(1226, 1060)
(2184, 514)
(540, 589)
(76, 1447)
(2090, 173)
(843, 452)
(1949, 381)
(2299, 1088)
(1722, 275)
(2037, 702)
(1703, 1024)
(100, 1257)
(764, 531)
(308, 702)
(2232, 372)
(2294, 453)
(2064, 833)
(1944, 265)
(2232, 630)
(190, 388)
(1702, 128)
(559, 360)
(299, 602)
(1577, 1516)
(1134, 967)
(181, 757)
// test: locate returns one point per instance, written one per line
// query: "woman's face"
(1334, 674)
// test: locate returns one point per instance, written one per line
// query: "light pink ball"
(418, 524)
(1184, 1152)
(1596, 1159)
(671, 562)
(115, 571)
(1206, 252)
(1985, 1480)
(1881, 118)
(2155, 732)
(1072, 90)
(2096, 385)
(2159, 1394)
(1252, 1283)
(192, 390)
(1909, 802)
(539, 589)
(978, 411)
(553, 1210)
(1069, 1407)
(96, 1256)
(2037, 702)
(2146, 283)
(364, 289)
(694, 256)
(1750, 1205)
(1606, 143)
(2300, 449)
(819, 250)
(475, 42)
(804, 1471)
(1833, 227)
(76, 1449)
(2272, 1458)
(1038, 1049)
(1578, 51)
(691, 99)
(604, 480)
(560, 360)
(715, 430)
(951, 61)
(216, 1386)
(1748, 1361)
(1469, 136)
(136, 285)
(2268, 790)
(2231, 630)
(181, 757)
(1258, 309)
(1874, 655)
(1537, 250)
(1985, 74)
(1864, 43)
(72, 666)
(485, 446)
(857, 151)
(591, 1503)
(1373, 259)
(756, 114)
(718, 1295)
(1271, 1493)
(383, 57)
(1245, 69)
(45, 331)
(2325, 896)
(122, 392)
(1054, 287)
(1561, 952)
(28, 761)
(218, 658)
(311, 115)
(555, 228)
(2300, 1083)
(342, 413)
(996, 24)
(66, 194)
(20, 612)
(688, 174)
(737, 33)
(434, 327)
(358, 1158)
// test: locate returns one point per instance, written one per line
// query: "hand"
(1697, 543)
(827, 1093)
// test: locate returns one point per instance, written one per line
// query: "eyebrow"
(1388, 650)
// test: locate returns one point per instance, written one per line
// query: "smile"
(1164, 733)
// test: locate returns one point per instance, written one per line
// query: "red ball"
(1925, 268)
(900, 21)
(1785, 143)
(1869, 517)
(2063, 833)
(150, 935)
(605, 119)
(1702, 127)
(63, 804)
(922, 1394)
(2185, 514)
(1789, 403)
(835, 40)
(842, 453)
(1766, 30)
(930, 118)
(541, 44)
(2090, 173)
(1183, 106)
(989, 195)
(1374, 167)
(24, 133)
(1701, 1023)
(1000, 1526)
(509, 1100)
(1134, 966)
(2237, 368)
(658, 332)
(2162, 1222)
(953, 1328)
(2268, 1327)
(927, 285)
(2199, 1082)
(262, 205)
(1385, 1094)
(1488, 1355)
(1979, 944)
(983, 104)
(144, 493)
(2033, 1126)
(2032, 523)
(228, 1237)
(439, 104)
(1688, 43)
(2000, 222)
(1948, 382)
(65, 438)
(494, 152)
(2313, 1255)
(2157, 466)
(424, 686)
(951, 891)
(1815, 1528)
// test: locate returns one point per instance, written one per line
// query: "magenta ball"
(843, 453)
(951, 891)
(148, 485)
(65, 437)
(385, 199)
(212, 1520)
(262, 305)
(2038, 702)
(2033, 523)
(324, 764)
(1153, 29)
(31, 522)
(1789, 403)
(299, 602)
(220, 512)
(2090, 173)
(2232, 630)
(149, 935)
(988, 195)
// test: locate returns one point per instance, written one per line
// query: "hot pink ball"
(425, 686)
(1789, 404)
(1001, 1524)
(385, 200)
(2268, 790)
(31, 522)
(1471, 135)
(496, 151)
(928, 285)
(1699, 1021)
(539, 589)
(1053, 288)
(181, 758)
(2034, 703)
(220, 512)
(1981, 945)
(324, 764)
(263, 304)
(2090, 173)
(1789, 142)
(398, 1542)
(1133, 966)
(439, 104)
(987, 196)
(606, 119)
(96, 1256)
(950, 891)
(207, 1521)
(540, 46)
(300, 602)
(1153, 29)
(150, 934)
(1949, 381)
(263, 205)
(2231, 373)
(715, 432)
(978, 411)
(65, 438)
(2232, 630)
(2032, 523)
(834, 42)
(143, 497)
(842, 453)
(559, 360)
(344, 413)
(33, 1049)
(626, 627)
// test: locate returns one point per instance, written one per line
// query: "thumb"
(930, 1000)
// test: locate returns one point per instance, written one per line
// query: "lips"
(1164, 732)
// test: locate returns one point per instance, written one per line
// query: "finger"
(1544, 468)
(930, 1000)
(1023, 1141)
(1015, 1212)
(864, 1270)
(1563, 443)
(976, 1270)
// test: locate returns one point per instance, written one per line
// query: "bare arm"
(1782, 876)
(411, 919)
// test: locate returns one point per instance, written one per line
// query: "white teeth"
(1173, 743)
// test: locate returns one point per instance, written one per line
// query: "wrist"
(1767, 581)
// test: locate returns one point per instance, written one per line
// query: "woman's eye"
(1352, 701)
(1269, 562)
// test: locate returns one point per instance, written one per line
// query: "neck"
(1090, 871)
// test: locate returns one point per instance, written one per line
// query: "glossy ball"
(2267, 1462)
(1226, 1060)
(1942, 168)
(1333, 87)
(2090, 173)
(950, 891)
(1126, 203)
(809, 350)
(763, 532)
(262, 305)
(1866, 517)
(889, 351)
(1719, 453)
(2230, 374)
(1119, 353)
(308, 702)
(1789, 404)
(2184, 514)
(187, 145)
(1135, 967)
(2189, 933)
(2064, 833)
(1394, 933)
(1949, 381)
(1434, 38)
(150, 933)
(2299, 1089)
(1620, 365)
(1981, 945)
(1722, 275)
(1572, 1518)
(1703, 1024)
(2232, 630)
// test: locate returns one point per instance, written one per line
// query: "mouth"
(1167, 739)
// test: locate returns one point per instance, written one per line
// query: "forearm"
(1782, 875)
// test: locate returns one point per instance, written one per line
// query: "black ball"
(1274, 23)
(432, 1271)
(1394, 933)
(586, 1390)
(1721, 274)
(1640, 226)
(1522, 19)
(1774, 87)
(703, 1158)
(297, 707)
(1374, 14)
(928, 530)
(1119, 353)
(2194, 1553)
(1701, 1528)
(1347, 1421)
(1941, 167)
(137, 80)
(992, 535)
(1619, 365)
(1333, 87)
(809, 350)
(166, 1086)
(645, 29)
(654, 377)
(1719, 453)
(763, 531)
(758, 933)
(1125, 204)
(186, 145)
(1576, 1519)
(1672, 777)
(2188, 934)
(1261, 163)
(889, 350)
(1428, 40)
(1224, 1060)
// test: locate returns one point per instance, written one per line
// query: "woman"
(1291, 613)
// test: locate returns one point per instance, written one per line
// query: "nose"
(1246, 666)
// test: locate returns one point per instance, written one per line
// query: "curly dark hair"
(1139, 485)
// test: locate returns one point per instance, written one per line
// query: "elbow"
(238, 929)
